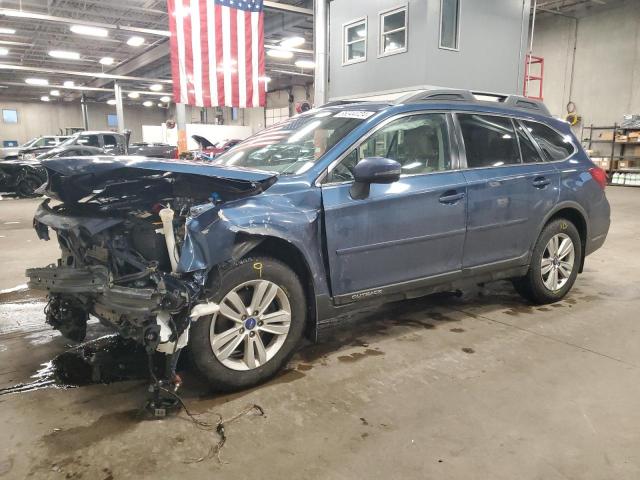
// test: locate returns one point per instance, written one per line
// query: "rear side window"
(529, 152)
(489, 141)
(554, 145)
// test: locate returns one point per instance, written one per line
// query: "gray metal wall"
(606, 77)
(493, 41)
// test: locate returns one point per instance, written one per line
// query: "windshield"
(69, 141)
(30, 142)
(294, 145)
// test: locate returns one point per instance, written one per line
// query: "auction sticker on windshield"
(354, 114)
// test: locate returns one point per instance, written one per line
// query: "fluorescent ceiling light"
(148, 103)
(111, 102)
(69, 84)
(135, 41)
(64, 54)
(44, 98)
(165, 99)
(91, 31)
(106, 61)
(292, 42)
(7, 31)
(305, 64)
(279, 53)
(37, 81)
(156, 87)
(54, 93)
(4, 51)
(133, 95)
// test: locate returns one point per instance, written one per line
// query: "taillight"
(599, 175)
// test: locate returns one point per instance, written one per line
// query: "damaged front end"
(124, 227)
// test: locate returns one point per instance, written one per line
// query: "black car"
(22, 177)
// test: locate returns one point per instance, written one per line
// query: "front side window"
(89, 140)
(295, 145)
(449, 24)
(355, 41)
(110, 141)
(554, 145)
(489, 141)
(420, 143)
(393, 31)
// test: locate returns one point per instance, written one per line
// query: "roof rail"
(468, 96)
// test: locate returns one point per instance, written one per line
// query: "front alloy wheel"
(260, 323)
(557, 262)
(252, 325)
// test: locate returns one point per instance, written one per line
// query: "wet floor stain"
(411, 322)
(468, 350)
(364, 421)
(356, 356)
(106, 426)
(457, 330)
(304, 367)
(104, 360)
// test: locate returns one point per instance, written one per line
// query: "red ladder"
(530, 79)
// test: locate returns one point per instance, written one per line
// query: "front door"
(408, 230)
(510, 189)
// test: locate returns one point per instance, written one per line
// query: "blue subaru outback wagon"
(339, 207)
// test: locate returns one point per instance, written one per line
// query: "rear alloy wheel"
(555, 262)
(258, 327)
(558, 261)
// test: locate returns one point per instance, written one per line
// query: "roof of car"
(97, 132)
(453, 98)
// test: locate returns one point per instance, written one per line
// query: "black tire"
(221, 377)
(28, 185)
(532, 286)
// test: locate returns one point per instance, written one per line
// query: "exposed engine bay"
(122, 232)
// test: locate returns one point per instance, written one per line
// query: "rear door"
(409, 230)
(510, 189)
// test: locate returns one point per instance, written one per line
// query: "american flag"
(217, 52)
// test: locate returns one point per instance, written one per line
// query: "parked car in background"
(71, 151)
(211, 150)
(337, 208)
(22, 177)
(155, 150)
(110, 142)
(35, 147)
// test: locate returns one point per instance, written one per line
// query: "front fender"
(214, 232)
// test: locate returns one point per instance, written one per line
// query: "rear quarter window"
(554, 145)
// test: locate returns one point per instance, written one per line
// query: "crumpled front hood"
(70, 166)
(127, 177)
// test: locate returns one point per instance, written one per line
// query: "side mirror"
(373, 170)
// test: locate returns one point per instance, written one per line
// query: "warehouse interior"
(418, 339)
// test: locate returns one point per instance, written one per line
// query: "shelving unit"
(612, 149)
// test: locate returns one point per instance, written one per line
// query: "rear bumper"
(93, 285)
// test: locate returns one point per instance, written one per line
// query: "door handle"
(450, 197)
(541, 182)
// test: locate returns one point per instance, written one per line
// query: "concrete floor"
(479, 387)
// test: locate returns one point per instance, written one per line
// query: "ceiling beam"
(11, 13)
(285, 7)
(6, 66)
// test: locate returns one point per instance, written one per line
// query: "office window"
(10, 116)
(553, 145)
(355, 42)
(488, 141)
(450, 24)
(112, 120)
(276, 115)
(393, 31)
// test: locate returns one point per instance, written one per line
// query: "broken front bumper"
(93, 283)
